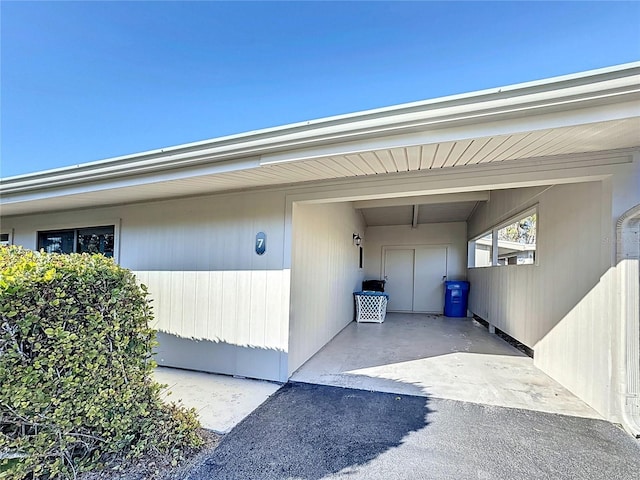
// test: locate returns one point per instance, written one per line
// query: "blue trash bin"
(456, 296)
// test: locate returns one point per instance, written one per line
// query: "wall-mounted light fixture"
(357, 240)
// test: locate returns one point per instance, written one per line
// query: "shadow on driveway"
(310, 431)
(307, 431)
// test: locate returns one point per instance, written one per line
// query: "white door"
(398, 271)
(415, 279)
(430, 273)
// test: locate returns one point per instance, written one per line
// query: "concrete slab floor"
(436, 356)
(220, 400)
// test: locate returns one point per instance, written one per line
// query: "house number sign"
(261, 243)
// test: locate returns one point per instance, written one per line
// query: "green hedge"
(75, 367)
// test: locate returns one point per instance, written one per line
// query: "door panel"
(430, 268)
(398, 271)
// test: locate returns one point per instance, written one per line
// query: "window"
(481, 251)
(517, 242)
(509, 243)
(4, 239)
(79, 240)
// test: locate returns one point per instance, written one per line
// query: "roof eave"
(610, 85)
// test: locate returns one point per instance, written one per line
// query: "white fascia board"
(482, 124)
(610, 85)
(74, 188)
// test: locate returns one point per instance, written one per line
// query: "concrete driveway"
(436, 356)
(320, 432)
(221, 401)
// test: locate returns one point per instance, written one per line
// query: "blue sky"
(84, 81)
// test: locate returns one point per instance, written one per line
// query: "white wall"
(560, 306)
(452, 235)
(219, 306)
(625, 292)
(324, 274)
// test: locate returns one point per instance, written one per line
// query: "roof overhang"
(589, 112)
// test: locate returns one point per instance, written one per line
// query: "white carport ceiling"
(427, 213)
(375, 217)
(452, 212)
(615, 134)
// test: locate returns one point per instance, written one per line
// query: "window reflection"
(60, 241)
(82, 240)
(96, 240)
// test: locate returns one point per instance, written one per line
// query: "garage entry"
(415, 244)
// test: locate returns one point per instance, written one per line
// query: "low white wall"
(324, 274)
(219, 306)
(559, 307)
(230, 322)
(452, 235)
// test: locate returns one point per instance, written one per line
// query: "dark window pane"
(60, 241)
(4, 239)
(83, 240)
(96, 240)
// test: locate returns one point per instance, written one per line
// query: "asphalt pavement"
(309, 431)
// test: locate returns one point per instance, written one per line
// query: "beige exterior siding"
(208, 285)
(324, 275)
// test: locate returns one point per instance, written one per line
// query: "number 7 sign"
(261, 243)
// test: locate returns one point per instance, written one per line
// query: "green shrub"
(75, 368)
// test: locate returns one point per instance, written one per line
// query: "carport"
(418, 230)
(415, 243)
